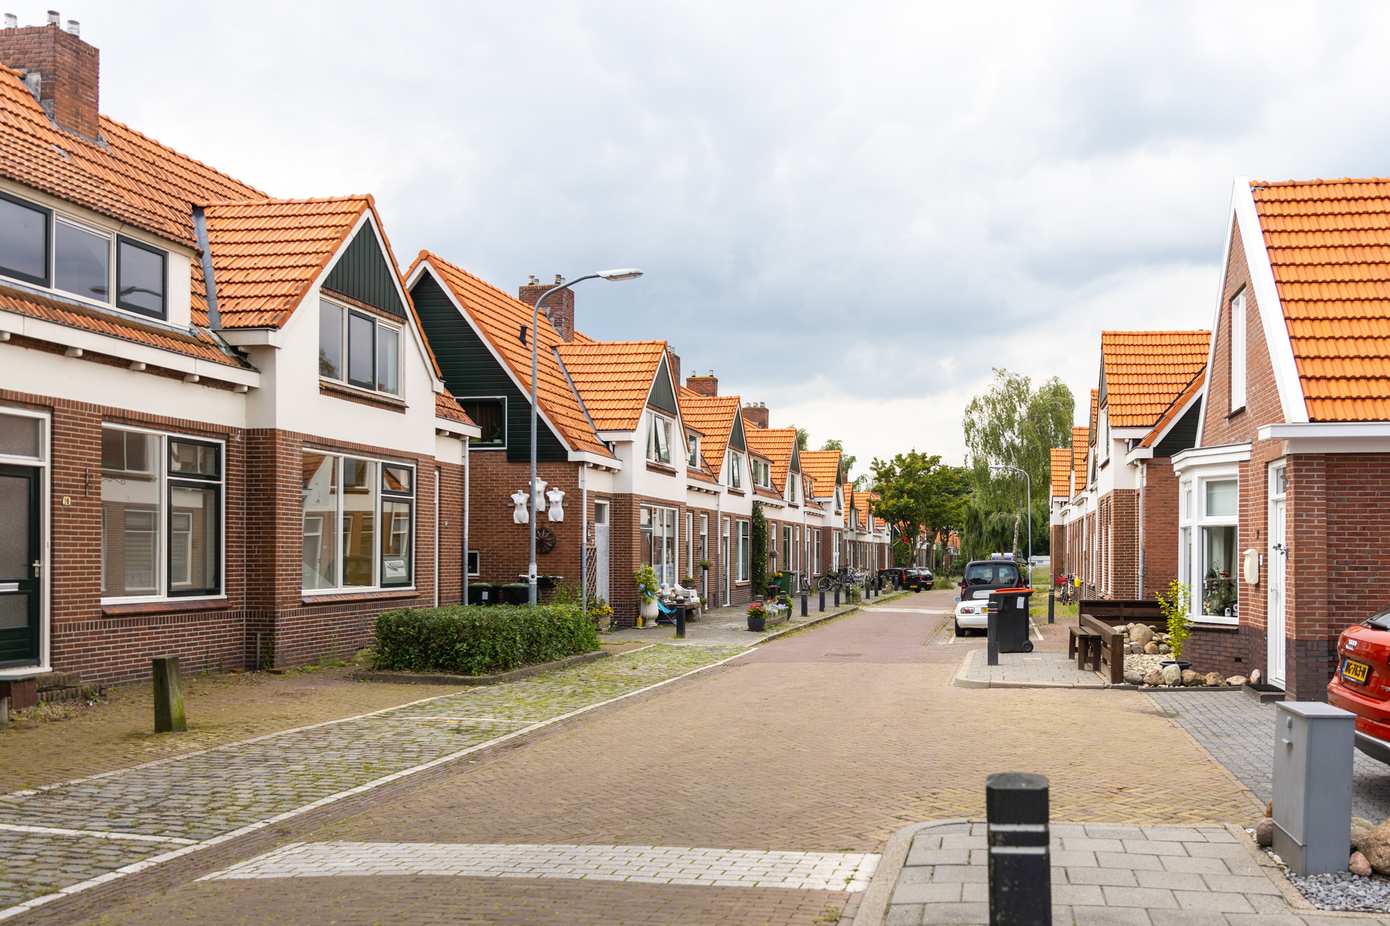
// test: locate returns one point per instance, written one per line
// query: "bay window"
(359, 349)
(658, 438)
(1207, 536)
(358, 523)
(161, 515)
(659, 542)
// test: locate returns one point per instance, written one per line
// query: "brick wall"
(69, 69)
(1160, 523)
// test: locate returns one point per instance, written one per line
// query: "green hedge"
(478, 640)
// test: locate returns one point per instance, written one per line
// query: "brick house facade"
(160, 437)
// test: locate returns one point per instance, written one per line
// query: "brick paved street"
(826, 741)
(1239, 731)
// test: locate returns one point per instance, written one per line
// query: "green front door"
(19, 566)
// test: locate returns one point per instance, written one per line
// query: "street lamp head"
(622, 273)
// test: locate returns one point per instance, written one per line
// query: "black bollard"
(837, 596)
(991, 639)
(803, 602)
(1020, 862)
(822, 599)
(680, 623)
(1051, 606)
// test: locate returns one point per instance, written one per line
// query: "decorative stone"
(1154, 677)
(1374, 844)
(1134, 677)
(1236, 680)
(1164, 648)
(1172, 676)
(1142, 634)
(1214, 680)
(1264, 832)
(1359, 865)
(1256, 676)
(1191, 677)
(1151, 648)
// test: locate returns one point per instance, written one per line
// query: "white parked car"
(972, 614)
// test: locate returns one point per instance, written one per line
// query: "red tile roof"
(713, 416)
(499, 318)
(614, 379)
(1080, 448)
(448, 408)
(1329, 246)
(1060, 460)
(199, 345)
(823, 466)
(1145, 371)
(1175, 408)
(777, 444)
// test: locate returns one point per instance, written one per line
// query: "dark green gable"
(363, 273)
(736, 435)
(662, 395)
(470, 370)
(1183, 435)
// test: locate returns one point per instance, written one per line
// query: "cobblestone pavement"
(1107, 874)
(801, 871)
(202, 795)
(825, 741)
(1238, 731)
(730, 625)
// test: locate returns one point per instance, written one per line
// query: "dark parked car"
(982, 576)
(893, 575)
(919, 578)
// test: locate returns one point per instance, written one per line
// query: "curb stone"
(497, 678)
(873, 904)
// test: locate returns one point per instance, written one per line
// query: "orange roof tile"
(777, 445)
(823, 466)
(199, 345)
(1080, 448)
(1095, 411)
(1060, 459)
(1175, 409)
(448, 408)
(862, 502)
(767, 493)
(1329, 246)
(713, 417)
(614, 379)
(266, 253)
(499, 317)
(1145, 370)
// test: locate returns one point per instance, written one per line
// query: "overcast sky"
(847, 211)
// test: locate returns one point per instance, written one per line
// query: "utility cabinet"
(1313, 748)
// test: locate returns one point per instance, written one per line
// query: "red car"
(1361, 683)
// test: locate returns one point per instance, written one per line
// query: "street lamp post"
(1027, 509)
(628, 273)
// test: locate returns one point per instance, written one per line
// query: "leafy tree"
(758, 538)
(918, 495)
(1012, 424)
(847, 461)
(803, 437)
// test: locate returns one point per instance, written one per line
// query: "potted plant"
(645, 578)
(704, 565)
(1175, 606)
(601, 613)
(757, 617)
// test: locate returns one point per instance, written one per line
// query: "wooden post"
(4, 711)
(168, 696)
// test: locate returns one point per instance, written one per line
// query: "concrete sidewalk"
(1101, 874)
(1038, 669)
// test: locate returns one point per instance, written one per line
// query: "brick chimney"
(674, 360)
(65, 69)
(708, 384)
(755, 413)
(559, 308)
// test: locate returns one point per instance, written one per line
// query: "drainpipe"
(1143, 484)
(584, 539)
(467, 473)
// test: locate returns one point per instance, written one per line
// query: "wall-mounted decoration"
(545, 540)
(556, 498)
(519, 513)
(539, 505)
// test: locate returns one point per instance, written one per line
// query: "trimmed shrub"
(479, 640)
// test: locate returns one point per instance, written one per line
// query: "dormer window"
(658, 438)
(692, 441)
(42, 248)
(358, 349)
(762, 473)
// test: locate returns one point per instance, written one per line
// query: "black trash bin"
(1008, 619)
(482, 593)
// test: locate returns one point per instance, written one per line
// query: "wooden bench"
(1106, 618)
(1085, 646)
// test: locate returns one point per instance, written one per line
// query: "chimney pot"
(74, 28)
(63, 72)
(532, 280)
(53, 17)
(11, 21)
(559, 280)
(707, 385)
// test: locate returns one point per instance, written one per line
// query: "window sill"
(364, 396)
(388, 594)
(1235, 414)
(732, 491)
(1207, 622)
(165, 606)
(661, 467)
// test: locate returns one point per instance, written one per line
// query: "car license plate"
(1353, 671)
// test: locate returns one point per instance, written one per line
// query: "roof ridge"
(1317, 181)
(297, 200)
(172, 150)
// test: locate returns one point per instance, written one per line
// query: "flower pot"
(757, 622)
(1182, 664)
(649, 610)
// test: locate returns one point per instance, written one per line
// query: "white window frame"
(762, 473)
(1195, 519)
(162, 579)
(743, 550)
(474, 564)
(378, 527)
(689, 544)
(1237, 322)
(692, 455)
(110, 301)
(377, 324)
(735, 467)
(659, 430)
(473, 445)
(668, 517)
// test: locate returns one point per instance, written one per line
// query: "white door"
(1277, 559)
(724, 563)
(601, 550)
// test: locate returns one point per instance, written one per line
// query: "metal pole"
(803, 602)
(467, 464)
(1020, 877)
(1051, 606)
(992, 631)
(584, 540)
(822, 599)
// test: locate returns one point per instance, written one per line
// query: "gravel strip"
(1346, 892)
